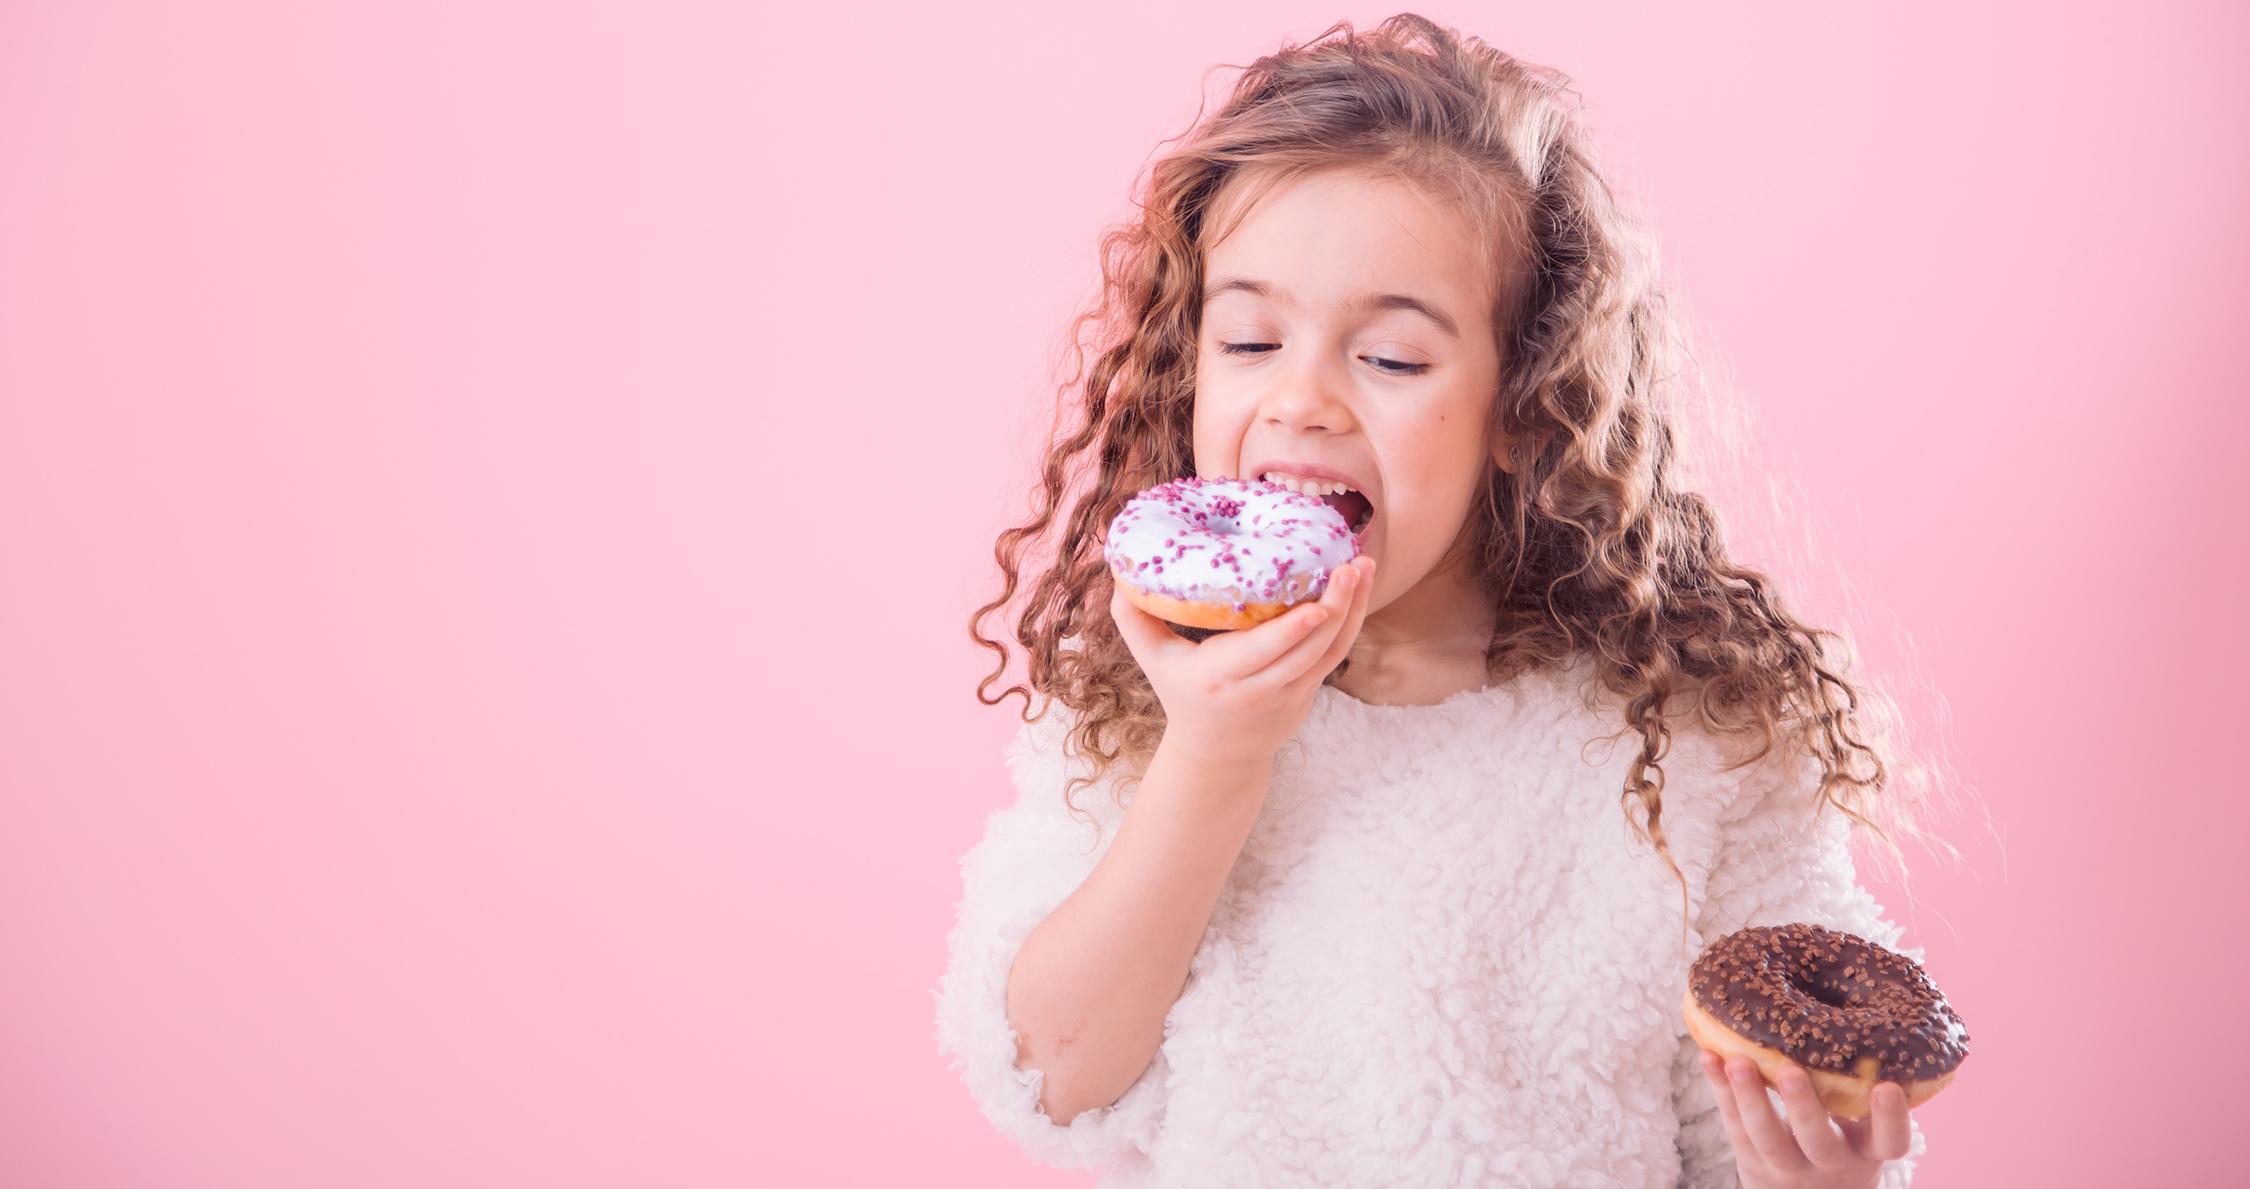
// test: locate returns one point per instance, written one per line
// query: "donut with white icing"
(1225, 553)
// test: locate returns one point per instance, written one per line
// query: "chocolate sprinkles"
(1827, 999)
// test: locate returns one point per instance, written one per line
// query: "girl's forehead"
(1343, 239)
(1269, 221)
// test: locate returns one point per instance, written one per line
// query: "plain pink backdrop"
(490, 496)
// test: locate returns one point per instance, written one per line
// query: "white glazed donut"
(1225, 553)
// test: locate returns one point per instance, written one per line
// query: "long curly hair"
(1587, 546)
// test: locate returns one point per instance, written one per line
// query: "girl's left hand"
(1766, 1153)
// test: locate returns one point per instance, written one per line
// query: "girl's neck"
(1417, 683)
(1423, 648)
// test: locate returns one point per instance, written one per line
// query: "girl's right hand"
(1240, 695)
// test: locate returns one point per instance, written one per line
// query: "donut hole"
(1824, 993)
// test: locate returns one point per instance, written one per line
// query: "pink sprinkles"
(1232, 521)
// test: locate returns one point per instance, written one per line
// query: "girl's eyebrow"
(1363, 301)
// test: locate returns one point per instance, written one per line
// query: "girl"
(1358, 909)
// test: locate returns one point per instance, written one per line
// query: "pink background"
(490, 495)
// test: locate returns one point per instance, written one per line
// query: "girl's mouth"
(1357, 510)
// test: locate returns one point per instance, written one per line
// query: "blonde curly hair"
(1589, 548)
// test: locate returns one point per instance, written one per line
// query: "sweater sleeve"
(1028, 862)
(1776, 863)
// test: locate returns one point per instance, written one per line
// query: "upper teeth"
(1307, 486)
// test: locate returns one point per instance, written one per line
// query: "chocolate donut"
(1847, 1010)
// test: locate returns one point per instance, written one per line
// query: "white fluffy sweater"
(1442, 958)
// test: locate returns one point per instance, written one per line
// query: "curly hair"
(1587, 546)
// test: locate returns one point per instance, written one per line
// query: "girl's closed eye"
(1383, 365)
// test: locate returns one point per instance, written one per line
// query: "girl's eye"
(1391, 367)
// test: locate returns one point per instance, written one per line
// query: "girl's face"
(1347, 325)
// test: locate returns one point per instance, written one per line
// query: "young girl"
(1362, 905)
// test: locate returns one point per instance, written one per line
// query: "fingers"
(1715, 1072)
(1769, 1136)
(1891, 1133)
(1817, 1138)
(1363, 591)
(1310, 637)
(1253, 652)
(1304, 654)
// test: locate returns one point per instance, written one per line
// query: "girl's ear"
(1506, 451)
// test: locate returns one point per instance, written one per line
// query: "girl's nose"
(1309, 399)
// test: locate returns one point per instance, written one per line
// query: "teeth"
(1307, 486)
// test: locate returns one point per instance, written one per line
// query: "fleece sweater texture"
(1441, 959)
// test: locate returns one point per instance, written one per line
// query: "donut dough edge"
(1844, 1096)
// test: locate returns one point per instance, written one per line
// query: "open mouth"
(1357, 510)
